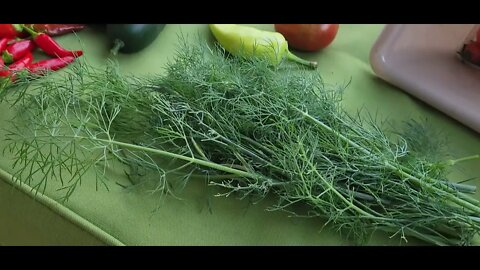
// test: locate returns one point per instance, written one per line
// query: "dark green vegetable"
(132, 38)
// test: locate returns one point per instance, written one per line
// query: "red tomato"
(308, 37)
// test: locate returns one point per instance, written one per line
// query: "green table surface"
(137, 217)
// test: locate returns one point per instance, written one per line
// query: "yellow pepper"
(247, 42)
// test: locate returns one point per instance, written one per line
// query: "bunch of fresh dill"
(248, 128)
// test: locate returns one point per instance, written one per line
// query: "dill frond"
(248, 129)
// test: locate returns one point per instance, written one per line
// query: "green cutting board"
(137, 217)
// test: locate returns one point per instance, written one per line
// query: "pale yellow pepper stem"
(299, 60)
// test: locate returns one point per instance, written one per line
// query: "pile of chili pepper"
(17, 44)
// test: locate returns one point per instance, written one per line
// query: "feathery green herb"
(249, 129)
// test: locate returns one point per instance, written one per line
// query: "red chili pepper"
(22, 63)
(4, 43)
(50, 46)
(10, 30)
(43, 66)
(4, 72)
(15, 67)
(17, 50)
(56, 29)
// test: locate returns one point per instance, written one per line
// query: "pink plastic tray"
(422, 60)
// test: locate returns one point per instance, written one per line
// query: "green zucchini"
(132, 38)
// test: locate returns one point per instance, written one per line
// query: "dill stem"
(213, 177)
(209, 164)
(340, 196)
(425, 237)
(455, 161)
(464, 200)
(463, 188)
(177, 156)
(447, 186)
(335, 191)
